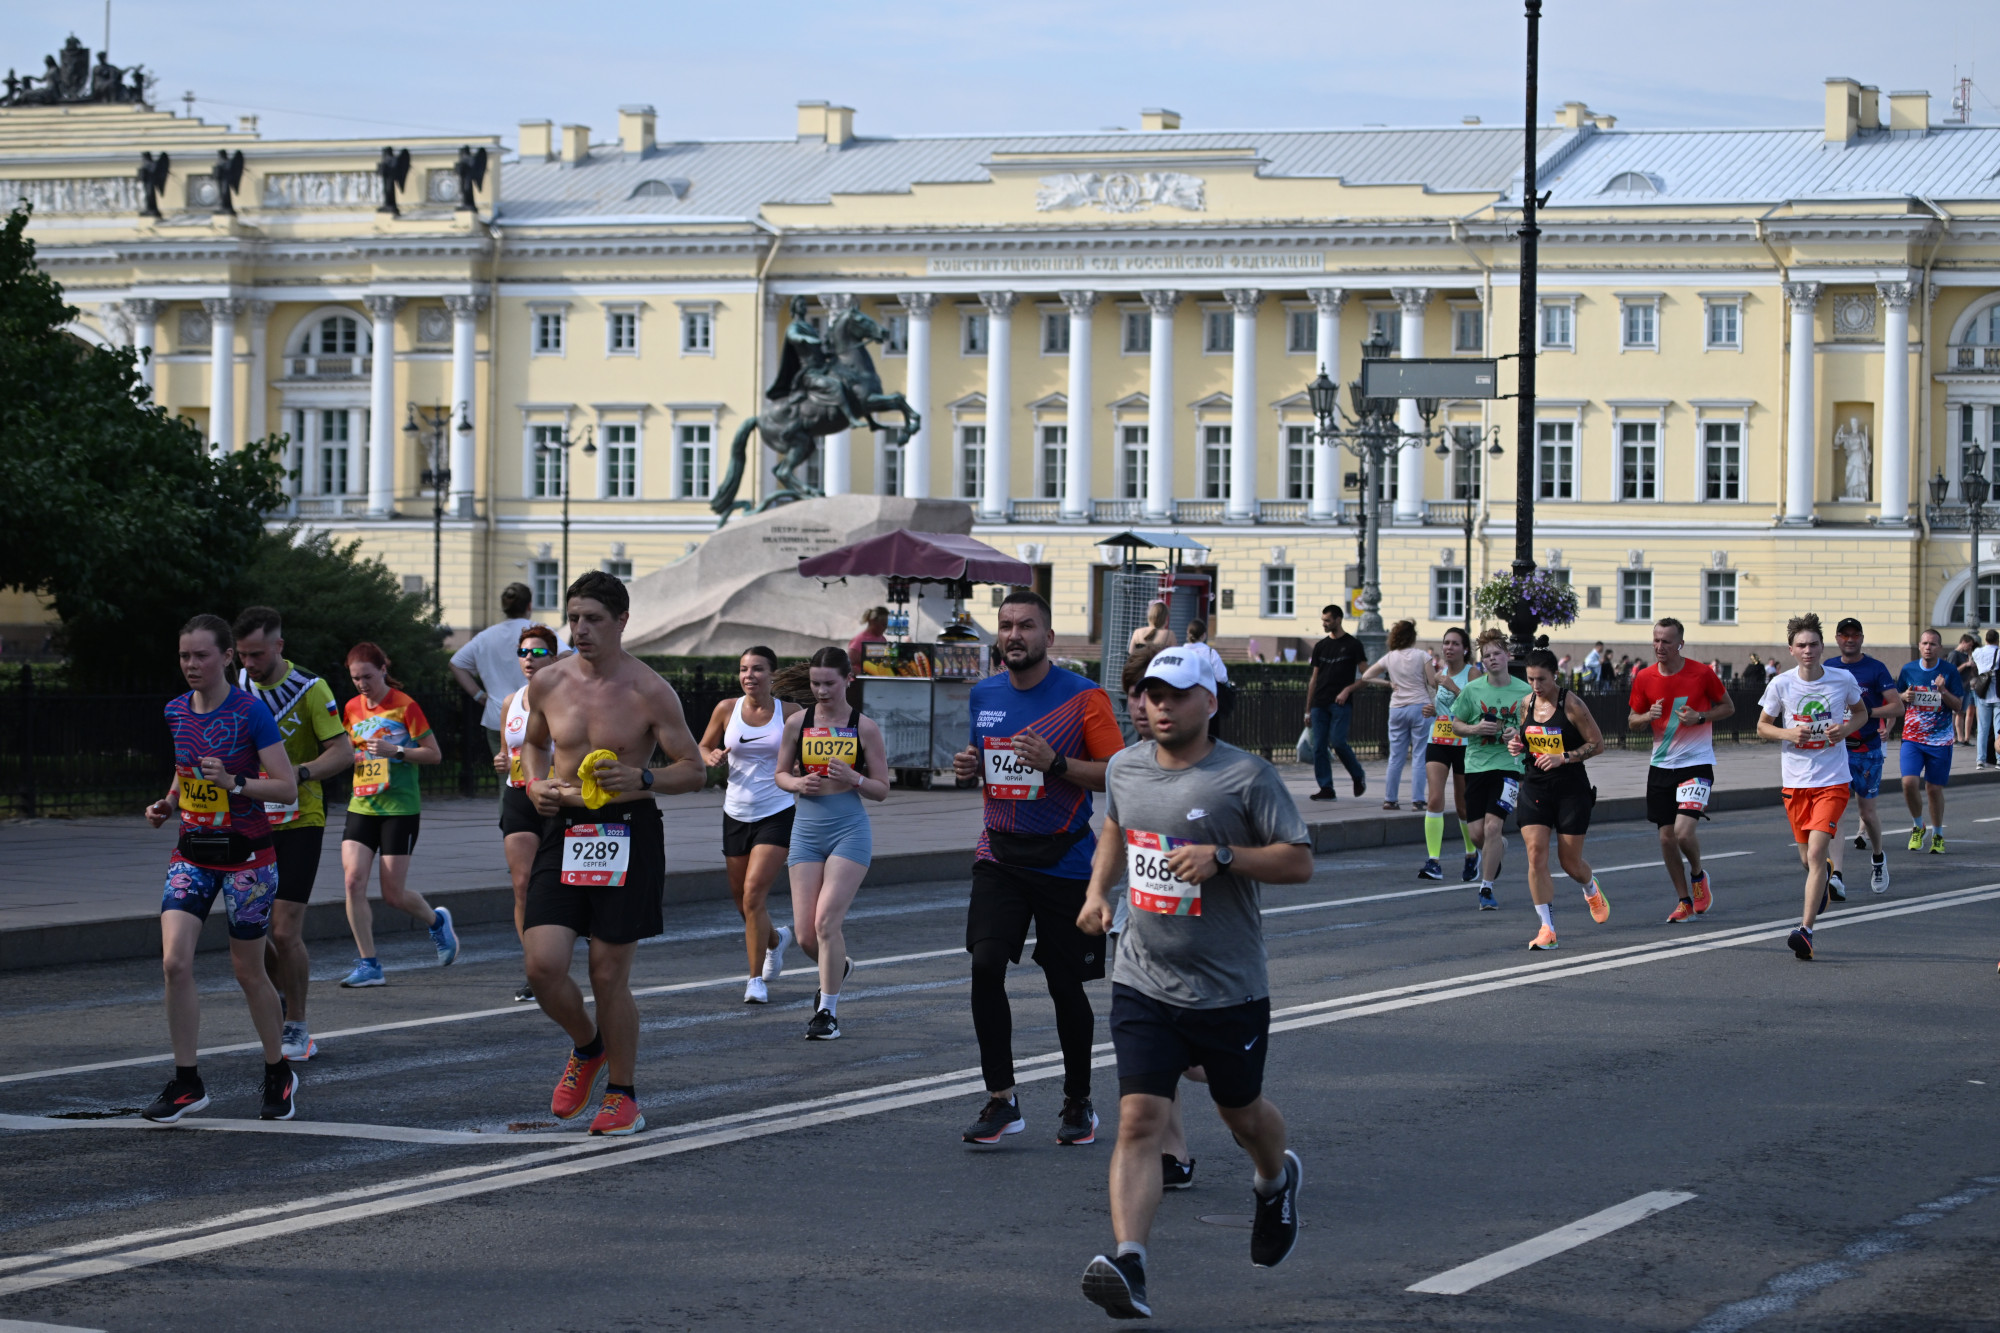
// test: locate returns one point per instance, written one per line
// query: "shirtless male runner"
(599, 872)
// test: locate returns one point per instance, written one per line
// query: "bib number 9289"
(597, 855)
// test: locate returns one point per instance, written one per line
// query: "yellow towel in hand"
(594, 796)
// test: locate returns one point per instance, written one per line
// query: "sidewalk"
(87, 890)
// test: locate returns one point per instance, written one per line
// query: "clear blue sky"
(370, 68)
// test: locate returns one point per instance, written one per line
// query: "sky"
(370, 69)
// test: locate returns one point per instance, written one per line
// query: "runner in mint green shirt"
(1485, 710)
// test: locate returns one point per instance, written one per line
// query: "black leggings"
(993, 1020)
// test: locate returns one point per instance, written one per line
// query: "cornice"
(232, 250)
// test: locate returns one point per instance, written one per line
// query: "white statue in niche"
(1857, 459)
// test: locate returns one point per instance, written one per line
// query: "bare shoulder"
(547, 682)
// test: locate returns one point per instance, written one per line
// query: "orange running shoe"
(1703, 899)
(1683, 911)
(618, 1115)
(578, 1085)
(1545, 938)
(1599, 905)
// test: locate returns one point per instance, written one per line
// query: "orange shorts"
(1815, 809)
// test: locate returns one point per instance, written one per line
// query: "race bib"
(371, 775)
(1544, 740)
(1924, 697)
(203, 803)
(1442, 734)
(1692, 795)
(1154, 887)
(1008, 776)
(596, 855)
(820, 746)
(1510, 794)
(1815, 729)
(515, 776)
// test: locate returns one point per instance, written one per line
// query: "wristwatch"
(1224, 856)
(301, 775)
(237, 789)
(1058, 766)
(646, 779)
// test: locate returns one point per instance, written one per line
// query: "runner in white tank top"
(520, 824)
(756, 812)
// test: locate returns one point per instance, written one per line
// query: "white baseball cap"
(1181, 669)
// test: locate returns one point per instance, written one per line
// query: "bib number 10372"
(1008, 776)
(1154, 886)
(597, 855)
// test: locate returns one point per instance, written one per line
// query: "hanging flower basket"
(1550, 601)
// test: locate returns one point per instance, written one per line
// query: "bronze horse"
(794, 424)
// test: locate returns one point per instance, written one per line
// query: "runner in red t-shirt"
(1681, 701)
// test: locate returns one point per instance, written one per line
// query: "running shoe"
(774, 959)
(525, 994)
(1486, 902)
(1174, 1173)
(1471, 871)
(296, 1043)
(176, 1100)
(1836, 887)
(1431, 870)
(1117, 1286)
(1324, 794)
(1698, 891)
(280, 1088)
(756, 992)
(578, 1085)
(1683, 911)
(996, 1119)
(1545, 938)
(1917, 838)
(1878, 875)
(444, 937)
(822, 1026)
(1599, 905)
(617, 1116)
(1801, 942)
(1275, 1227)
(1078, 1125)
(367, 972)
(1937, 843)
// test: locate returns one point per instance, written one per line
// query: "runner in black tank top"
(1557, 734)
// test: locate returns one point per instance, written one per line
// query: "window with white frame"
(1987, 600)
(546, 577)
(1468, 329)
(550, 461)
(337, 335)
(548, 332)
(1448, 593)
(1215, 462)
(973, 327)
(1638, 460)
(1054, 462)
(1280, 591)
(1301, 331)
(1725, 325)
(1133, 461)
(896, 334)
(972, 462)
(1555, 460)
(1137, 331)
(618, 568)
(1467, 463)
(1218, 331)
(335, 437)
(1718, 597)
(1055, 333)
(1722, 460)
(1386, 325)
(621, 332)
(1298, 462)
(1635, 595)
(696, 446)
(621, 460)
(697, 333)
(1640, 326)
(1558, 326)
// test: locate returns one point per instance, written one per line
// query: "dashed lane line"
(310, 1128)
(1458, 1281)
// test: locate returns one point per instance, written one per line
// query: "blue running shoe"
(1486, 903)
(444, 937)
(1431, 870)
(367, 972)
(1471, 871)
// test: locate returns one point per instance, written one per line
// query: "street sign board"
(1430, 377)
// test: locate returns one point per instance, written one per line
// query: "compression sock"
(591, 1049)
(1126, 1247)
(1548, 918)
(830, 1003)
(1434, 835)
(1465, 833)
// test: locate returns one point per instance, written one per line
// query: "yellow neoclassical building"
(1757, 347)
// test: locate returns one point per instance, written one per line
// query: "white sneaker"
(774, 959)
(296, 1043)
(756, 992)
(1878, 878)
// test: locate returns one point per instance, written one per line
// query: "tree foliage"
(332, 599)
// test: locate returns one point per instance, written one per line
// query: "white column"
(1895, 451)
(994, 507)
(1243, 417)
(255, 420)
(1078, 472)
(1410, 461)
(1325, 505)
(145, 316)
(837, 461)
(1799, 442)
(917, 391)
(1160, 406)
(222, 313)
(464, 394)
(382, 407)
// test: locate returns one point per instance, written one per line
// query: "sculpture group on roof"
(69, 77)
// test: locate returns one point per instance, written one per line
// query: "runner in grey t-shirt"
(1192, 826)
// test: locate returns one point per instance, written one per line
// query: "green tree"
(331, 599)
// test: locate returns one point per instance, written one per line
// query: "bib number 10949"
(597, 855)
(1154, 886)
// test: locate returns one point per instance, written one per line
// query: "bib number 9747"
(1154, 886)
(1008, 776)
(597, 855)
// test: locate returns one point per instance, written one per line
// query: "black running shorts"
(391, 835)
(614, 914)
(1006, 898)
(1563, 805)
(1156, 1041)
(1451, 756)
(1663, 802)
(1482, 794)
(518, 813)
(298, 852)
(740, 835)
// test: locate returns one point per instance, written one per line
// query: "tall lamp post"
(1467, 444)
(1522, 623)
(1373, 436)
(560, 449)
(432, 422)
(1974, 488)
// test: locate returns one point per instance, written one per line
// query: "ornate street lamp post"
(1468, 445)
(1975, 488)
(559, 449)
(433, 422)
(1522, 624)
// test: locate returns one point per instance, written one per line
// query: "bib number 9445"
(204, 804)
(597, 855)
(1155, 887)
(1008, 776)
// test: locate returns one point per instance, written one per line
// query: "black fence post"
(469, 739)
(27, 740)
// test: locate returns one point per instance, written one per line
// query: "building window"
(621, 461)
(339, 335)
(697, 462)
(548, 332)
(619, 569)
(1386, 325)
(1989, 601)
(1641, 331)
(1448, 593)
(546, 575)
(1468, 330)
(697, 333)
(1555, 460)
(1635, 595)
(1638, 460)
(622, 333)
(896, 331)
(1133, 461)
(1215, 462)
(1055, 333)
(972, 462)
(1055, 461)
(1718, 597)
(551, 463)
(334, 437)
(1298, 463)
(1722, 460)
(972, 334)
(1302, 331)
(1558, 326)
(891, 480)
(1279, 588)
(1725, 329)
(1467, 463)
(1138, 331)
(1218, 331)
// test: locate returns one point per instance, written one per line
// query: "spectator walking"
(487, 666)
(1985, 688)
(1153, 635)
(1225, 693)
(1961, 658)
(1336, 660)
(1412, 681)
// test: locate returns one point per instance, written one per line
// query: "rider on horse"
(807, 367)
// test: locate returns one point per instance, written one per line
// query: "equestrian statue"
(826, 383)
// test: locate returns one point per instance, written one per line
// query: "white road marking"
(443, 1187)
(1460, 887)
(311, 1128)
(1515, 1257)
(24, 1326)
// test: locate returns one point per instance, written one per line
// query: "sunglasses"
(534, 652)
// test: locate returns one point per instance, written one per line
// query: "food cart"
(920, 694)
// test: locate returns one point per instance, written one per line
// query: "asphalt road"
(1452, 1097)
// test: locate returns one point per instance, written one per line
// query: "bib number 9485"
(597, 855)
(1154, 886)
(1008, 776)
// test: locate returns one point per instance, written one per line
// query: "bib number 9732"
(1008, 776)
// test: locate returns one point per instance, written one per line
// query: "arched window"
(332, 346)
(1989, 602)
(1634, 182)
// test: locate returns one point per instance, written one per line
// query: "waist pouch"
(1033, 851)
(219, 847)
